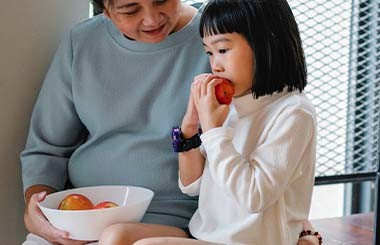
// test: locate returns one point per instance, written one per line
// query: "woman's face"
(231, 57)
(149, 21)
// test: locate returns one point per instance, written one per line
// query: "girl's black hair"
(272, 32)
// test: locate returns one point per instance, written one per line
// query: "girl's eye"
(208, 53)
(222, 51)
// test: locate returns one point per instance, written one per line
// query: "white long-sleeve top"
(258, 177)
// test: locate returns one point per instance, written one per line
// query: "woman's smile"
(155, 31)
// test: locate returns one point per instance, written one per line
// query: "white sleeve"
(257, 182)
(191, 189)
(203, 151)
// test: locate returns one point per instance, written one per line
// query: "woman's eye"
(208, 53)
(159, 2)
(130, 12)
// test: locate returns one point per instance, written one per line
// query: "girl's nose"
(217, 67)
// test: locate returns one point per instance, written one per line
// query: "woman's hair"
(99, 4)
(271, 31)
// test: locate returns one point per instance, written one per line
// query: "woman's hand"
(37, 224)
(308, 240)
(211, 113)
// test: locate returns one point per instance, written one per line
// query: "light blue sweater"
(105, 112)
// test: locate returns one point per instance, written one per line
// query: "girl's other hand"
(37, 224)
(190, 122)
(211, 113)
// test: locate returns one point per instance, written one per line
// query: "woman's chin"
(155, 36)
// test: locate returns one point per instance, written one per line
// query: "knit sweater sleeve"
(55, 129)
(257, 181)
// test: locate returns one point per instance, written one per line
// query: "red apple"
(224, 91)
(106, 204)
(75, 202)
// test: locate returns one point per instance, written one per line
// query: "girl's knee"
(152, 241)
(117, 234)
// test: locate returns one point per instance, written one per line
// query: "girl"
(254, 172)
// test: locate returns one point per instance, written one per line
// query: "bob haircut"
(272, 32)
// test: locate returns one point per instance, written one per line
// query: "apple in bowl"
(75, 202)
(105, 204)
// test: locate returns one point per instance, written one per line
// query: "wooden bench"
(356, 229)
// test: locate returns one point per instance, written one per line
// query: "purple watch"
(180, 144)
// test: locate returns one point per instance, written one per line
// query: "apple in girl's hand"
(106, 204)
(75, 202)
(224, 91)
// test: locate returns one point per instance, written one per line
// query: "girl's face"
(231, 57)
(149, 21)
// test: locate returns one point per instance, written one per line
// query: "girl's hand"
(37, 224)
(211, 113)
(190, 121)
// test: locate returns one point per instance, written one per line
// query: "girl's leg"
(128, 233)
(171, 241)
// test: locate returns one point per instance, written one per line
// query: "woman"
(116, 85)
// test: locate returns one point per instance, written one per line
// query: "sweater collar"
(246, 104)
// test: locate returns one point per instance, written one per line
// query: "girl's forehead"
(214, 39)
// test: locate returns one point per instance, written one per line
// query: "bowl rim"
(150, 197)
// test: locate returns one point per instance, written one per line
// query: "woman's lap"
(32, 239)
(172, 241)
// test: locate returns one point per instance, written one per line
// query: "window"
(341, 42)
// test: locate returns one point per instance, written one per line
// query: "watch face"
(176, 133)
(177, 139)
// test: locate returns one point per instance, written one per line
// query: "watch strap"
(180, 144)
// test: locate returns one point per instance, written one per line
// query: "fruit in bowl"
(224, 91)
(88, 224)
(81, 202)
(75, 202)
(106, 204)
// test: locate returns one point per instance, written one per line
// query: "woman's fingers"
(37, 223)
(57, 234)
(73, 242)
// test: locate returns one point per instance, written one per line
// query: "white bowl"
(89, 224)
